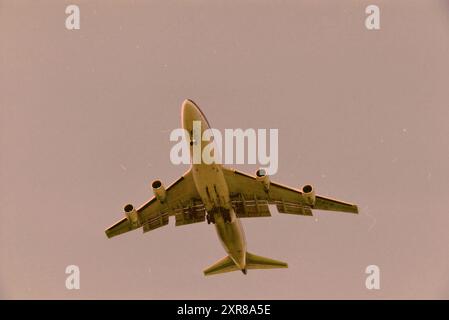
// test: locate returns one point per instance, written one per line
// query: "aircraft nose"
(188, 108)
(189, 113)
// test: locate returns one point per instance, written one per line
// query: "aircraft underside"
(222, 196)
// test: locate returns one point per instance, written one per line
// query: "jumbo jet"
(221, 196)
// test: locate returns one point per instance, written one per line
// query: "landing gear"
(220, 213)
(210, 219)
(227, 216)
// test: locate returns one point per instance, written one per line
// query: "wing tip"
(108, 233)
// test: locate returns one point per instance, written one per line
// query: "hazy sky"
(85, 122)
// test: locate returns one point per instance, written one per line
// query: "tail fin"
(226, 264)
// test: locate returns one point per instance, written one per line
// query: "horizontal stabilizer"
(226, 264)
(258, 262)
(221, 266)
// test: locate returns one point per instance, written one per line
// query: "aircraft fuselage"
(213, 190)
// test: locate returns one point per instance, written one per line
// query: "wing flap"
(193, 214)
(250, 208)
(293, 208)
(155, 222)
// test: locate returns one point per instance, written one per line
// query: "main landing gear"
(227, 216)
(225, 213)
(210, 218)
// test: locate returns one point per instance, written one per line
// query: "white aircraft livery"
(221, 196)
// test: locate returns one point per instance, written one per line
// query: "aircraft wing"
(250, 199)
(182, 201)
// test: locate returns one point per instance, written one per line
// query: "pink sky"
(85, 118)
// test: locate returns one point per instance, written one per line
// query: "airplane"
(222, 196)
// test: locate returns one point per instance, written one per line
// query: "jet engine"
(261, 176)
(309, 194)
(131, 213)
(159, 190)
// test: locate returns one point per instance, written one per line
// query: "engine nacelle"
(131, 214)
(159, 190)
(309, 194)
(261, 175)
